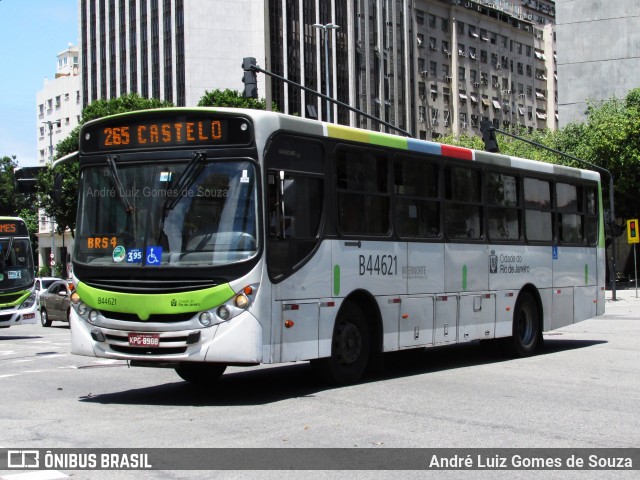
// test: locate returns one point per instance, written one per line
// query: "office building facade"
(429, 67)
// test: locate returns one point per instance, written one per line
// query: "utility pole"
(327, 28)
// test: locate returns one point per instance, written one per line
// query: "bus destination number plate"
(144, 339)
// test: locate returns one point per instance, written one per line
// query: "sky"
(32, 33)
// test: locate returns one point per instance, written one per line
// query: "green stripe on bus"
(586, 274)
(372, 138)
(4, 302)
(336, 280)
(464, 277)
(144, 305)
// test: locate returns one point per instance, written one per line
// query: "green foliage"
(12, 202)
(126, 103)
(58, 191)
(231, 98)
(44, 271)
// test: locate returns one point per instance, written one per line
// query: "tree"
(58, 191)
(8, 197)
(231, 98)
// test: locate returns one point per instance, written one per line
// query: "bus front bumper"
(235, 342)
(22, 316)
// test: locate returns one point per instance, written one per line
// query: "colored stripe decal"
(457, 152)
(424, 147)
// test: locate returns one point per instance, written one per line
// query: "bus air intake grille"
(148, 351)
(146, 286)
(4, 318)
(154, 318)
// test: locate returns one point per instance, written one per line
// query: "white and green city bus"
(17, 274)
(213, 237)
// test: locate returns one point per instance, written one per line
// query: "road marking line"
(40, 475)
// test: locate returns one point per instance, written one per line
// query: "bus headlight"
(236, 305)
(205, 319)
(93, 316)
(224, 313)
(30, 301)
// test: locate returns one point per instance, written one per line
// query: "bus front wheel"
(527, 333)
(200, 373)
(349, 347)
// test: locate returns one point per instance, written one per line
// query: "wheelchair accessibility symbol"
(154, 255)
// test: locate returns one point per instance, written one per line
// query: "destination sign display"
(157, 130)
(13, 228)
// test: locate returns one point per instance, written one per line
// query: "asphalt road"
(581, 391)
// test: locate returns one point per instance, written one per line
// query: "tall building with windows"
(429, 67)
(58, 110)
(168, 49)
(58, 104)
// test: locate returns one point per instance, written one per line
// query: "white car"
(42, 283)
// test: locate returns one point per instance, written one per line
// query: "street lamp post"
(326, 28)
(50, 124)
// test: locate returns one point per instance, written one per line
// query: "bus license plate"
(144, 339)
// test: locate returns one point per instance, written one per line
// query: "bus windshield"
(181, 213)
(16, 264)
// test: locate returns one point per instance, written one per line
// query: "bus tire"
(200, 373)
(44, 318)
(350, 347)
(526, 333)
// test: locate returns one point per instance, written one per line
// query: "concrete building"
(173, 50)
(598, 54)
(58, 110)
(426, 66)
(59, 104)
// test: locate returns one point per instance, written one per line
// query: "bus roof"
(341, 132)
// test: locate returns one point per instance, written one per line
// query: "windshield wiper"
(4, 258)
(188, 176)
(111, 161)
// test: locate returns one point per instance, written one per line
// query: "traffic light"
(489, 136)
(249, 79)
(632, 231)
(26, 179)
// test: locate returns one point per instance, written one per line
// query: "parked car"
(55, 302)
(42, 283)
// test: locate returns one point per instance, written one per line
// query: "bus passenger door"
(446, 328)
(477, 317)
(416, 321)
(299, 330)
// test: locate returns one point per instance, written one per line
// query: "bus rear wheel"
(527, 333)
(200, 373)
(350, 347)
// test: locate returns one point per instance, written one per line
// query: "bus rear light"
(289, 323)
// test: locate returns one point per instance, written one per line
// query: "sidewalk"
(623, 297)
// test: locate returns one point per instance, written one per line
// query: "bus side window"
(503, 214)
(416, 186)
(538, 222)
(463, 211)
